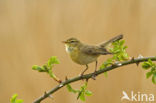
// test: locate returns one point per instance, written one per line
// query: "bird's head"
(72, 42)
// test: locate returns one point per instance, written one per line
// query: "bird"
(85, 54)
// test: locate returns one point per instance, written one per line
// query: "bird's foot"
(81, 74)
(94, 76)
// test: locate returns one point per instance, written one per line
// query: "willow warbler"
(84, 54)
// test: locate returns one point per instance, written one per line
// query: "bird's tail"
(105, 44)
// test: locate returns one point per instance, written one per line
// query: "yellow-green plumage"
(80, 57)
(84, 54)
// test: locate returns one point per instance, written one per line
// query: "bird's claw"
(94, 76)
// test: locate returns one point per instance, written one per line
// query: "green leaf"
(105, 74)
(44, 68)
(125, 47)
(115, 51)
(81, 93)
(88, 93)
(153, 68)
(146, 65)
(119, 54)
(150, 62)
(83, 87)
(53, 60)
(125, 56)
(70, 89)
(82, 96)
(19, 101)
(119, 51)
(149, 74)
(51, 74)
(38, 68)
(154, 78)
(107, 63)
(122, 42)
(14, 100)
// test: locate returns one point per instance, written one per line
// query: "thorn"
(60, 81)
(132, 59)
(50, 96)
(66, 78)
(45, 93)
(137, 63)
(140, 56)
(87, 79)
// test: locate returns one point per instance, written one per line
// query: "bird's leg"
(84, 70)
(96, 65)
(94, 75)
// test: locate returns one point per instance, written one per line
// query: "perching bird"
(84, 54)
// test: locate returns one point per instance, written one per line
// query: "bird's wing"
(94, 50)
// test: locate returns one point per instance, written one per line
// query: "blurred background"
(31, 32)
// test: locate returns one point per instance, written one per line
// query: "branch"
(88, 76)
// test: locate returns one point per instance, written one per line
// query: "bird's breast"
(80, 57)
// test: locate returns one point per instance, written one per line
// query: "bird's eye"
(72, 41)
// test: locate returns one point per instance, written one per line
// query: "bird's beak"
(64, 41)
